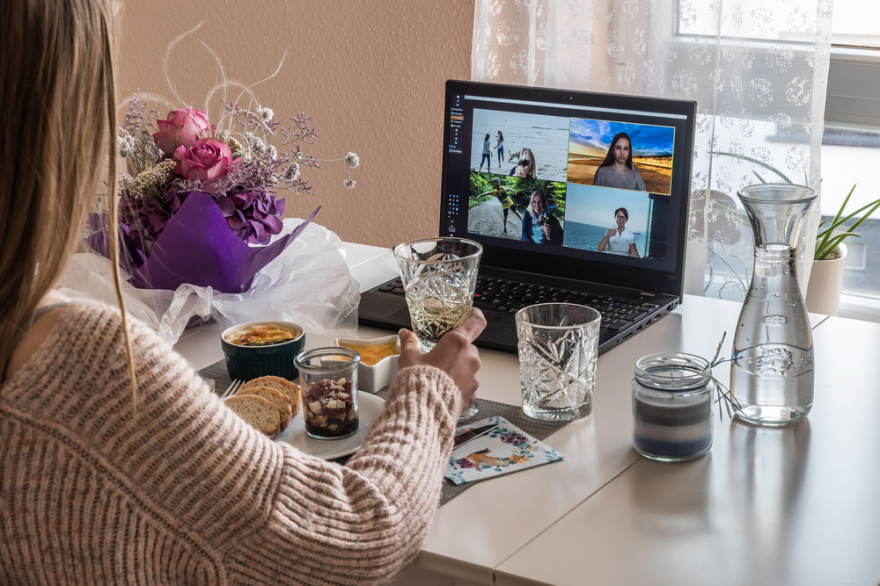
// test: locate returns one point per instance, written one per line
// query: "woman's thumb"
(409, 343)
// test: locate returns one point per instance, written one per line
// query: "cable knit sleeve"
(362, 523)
(199, 496)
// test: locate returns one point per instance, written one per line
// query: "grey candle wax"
(672, 407)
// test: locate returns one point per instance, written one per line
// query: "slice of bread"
(260, 413)
(282, 385)
(279, 399)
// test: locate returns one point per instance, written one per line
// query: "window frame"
(852, 102)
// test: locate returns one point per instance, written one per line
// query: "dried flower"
(273, 152)
(349, 183)
(126, 145)
(265, 114)
(235, 146)
(352, 160)
(258, 145)
(126, 180)
(152, 179)
(223, 135)
(292, 172)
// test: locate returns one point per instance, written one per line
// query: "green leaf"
(836, 222)
(825, 250)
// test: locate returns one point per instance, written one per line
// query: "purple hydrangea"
(144, 220)
(513, 438)
(253, 215)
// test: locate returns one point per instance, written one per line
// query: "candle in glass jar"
(672, 407)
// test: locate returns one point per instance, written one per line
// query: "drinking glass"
(439, 276)
(558, 346)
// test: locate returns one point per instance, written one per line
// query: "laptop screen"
(580, 185)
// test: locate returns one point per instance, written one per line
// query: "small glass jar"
(672, 407)
(328, 377)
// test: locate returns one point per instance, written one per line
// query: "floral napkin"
(503, 450)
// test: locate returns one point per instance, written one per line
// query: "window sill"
(862, 308)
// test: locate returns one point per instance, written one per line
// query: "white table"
(605, 515)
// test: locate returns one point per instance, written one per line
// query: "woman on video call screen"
(617, 169)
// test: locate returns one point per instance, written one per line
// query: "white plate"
(369, 408)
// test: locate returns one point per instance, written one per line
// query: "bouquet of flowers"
(195, 196)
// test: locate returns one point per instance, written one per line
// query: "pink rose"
(208, 159)
(182, 127)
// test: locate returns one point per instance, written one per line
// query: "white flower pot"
(826, 283)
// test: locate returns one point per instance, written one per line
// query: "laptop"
(576, 197)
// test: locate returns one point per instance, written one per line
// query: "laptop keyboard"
(510, 296)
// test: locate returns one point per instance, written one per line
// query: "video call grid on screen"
(591, 184)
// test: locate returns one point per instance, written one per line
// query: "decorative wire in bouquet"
(197, 194)
(201, 235)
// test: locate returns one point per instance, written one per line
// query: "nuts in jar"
(329, 408)
(329, 382)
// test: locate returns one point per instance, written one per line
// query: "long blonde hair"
(57, 124)
(527, 153)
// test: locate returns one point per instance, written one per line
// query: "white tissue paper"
(309, 284)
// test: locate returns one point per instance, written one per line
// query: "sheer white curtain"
(757, 69)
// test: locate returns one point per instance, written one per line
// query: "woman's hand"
(611, 232)
(455, 354)
(546, 227)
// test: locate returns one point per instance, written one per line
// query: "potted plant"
(829, 260)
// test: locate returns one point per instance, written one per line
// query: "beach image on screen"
(525, 137)
(489, 200)
(591, 160)
(590, 215)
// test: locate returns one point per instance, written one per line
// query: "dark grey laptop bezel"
(639, 278)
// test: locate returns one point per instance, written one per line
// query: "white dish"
(376, 377)
(369, 408)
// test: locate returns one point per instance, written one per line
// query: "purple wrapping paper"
(198, 247)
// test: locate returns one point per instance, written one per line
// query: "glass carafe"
(772, 369)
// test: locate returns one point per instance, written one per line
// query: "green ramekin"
(250, 362)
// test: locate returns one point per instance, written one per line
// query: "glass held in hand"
(439, 276)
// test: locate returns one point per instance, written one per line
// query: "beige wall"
(370, 73)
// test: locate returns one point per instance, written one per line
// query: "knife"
(464, 436)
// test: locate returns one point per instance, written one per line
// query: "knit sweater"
(189, 493)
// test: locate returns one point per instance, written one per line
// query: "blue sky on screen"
(593, 138)
(589, 204)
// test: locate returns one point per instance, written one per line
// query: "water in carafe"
(772, 367)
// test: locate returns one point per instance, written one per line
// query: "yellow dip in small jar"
(372, 354)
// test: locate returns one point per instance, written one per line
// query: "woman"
(500, 146)
(539, 226)
(487, 156)
(118, 465)
(503, 195)
(526, 166)
(617, 169)
(619, 240)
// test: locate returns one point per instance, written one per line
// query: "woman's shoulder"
(92, 331)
